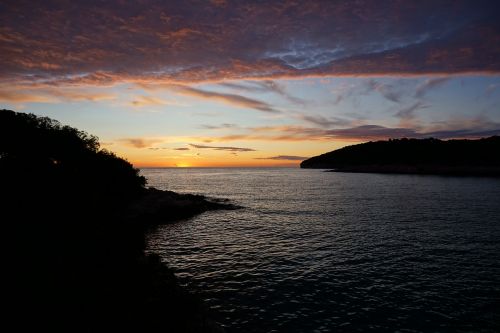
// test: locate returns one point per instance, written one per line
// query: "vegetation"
(73, 216)
(62, 160)
(432, 156)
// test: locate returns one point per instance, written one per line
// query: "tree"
(40, 156)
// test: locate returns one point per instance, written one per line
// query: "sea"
(315, 251)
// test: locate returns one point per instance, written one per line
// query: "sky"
(252, 83)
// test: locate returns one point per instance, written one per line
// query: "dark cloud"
(139, 142)
(375, 132)
(467, 133)
(231, 149)
(283, 158)
(370, 132)
(183, 148)
(256, 86)
(472, 128)
(231, 99)
(324, 121)
(88, 42)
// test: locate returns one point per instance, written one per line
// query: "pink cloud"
(78, 42)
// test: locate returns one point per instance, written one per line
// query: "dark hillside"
(480, 157)
(75, 259)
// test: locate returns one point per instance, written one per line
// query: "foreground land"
(74, 218)
(415, 156)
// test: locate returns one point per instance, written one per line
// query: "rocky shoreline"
(188, 312)
(156, 207)
(98, 277)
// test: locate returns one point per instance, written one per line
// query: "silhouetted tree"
(38, 154)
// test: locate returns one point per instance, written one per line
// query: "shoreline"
(459, 171)
(92, 266)
(158, 207)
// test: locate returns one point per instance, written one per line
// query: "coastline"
(156, 207)
(75, 217)
(189, 312)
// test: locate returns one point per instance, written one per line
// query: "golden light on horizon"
(183, 165)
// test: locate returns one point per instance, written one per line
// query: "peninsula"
(479, 157)
(75, 217)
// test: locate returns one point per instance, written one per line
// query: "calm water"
(321, 252)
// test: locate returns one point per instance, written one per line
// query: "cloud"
(73, 95)
(466, 128)
(141, 101)
(139, 142)
(264, 86)
(386, 90)
(182, 148)
(283, 158)
(392, 92)
(491, 88)
(465, 133)
(183, 42)
(21, 97)
(256, 86)
(323, 121)
(343, 91)
(221, 126)
(429, 84)
(370, 132)
(409, 111)
(15, 94)
(231, 99)
(231, 149)
(375, 132)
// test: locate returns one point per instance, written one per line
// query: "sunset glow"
(207, 166)
(163, 85)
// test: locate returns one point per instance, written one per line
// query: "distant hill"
(419, 156)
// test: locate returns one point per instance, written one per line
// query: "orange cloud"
(16, 94)
(141, 101)
(21, 97)
(283, 158)
(80, 95)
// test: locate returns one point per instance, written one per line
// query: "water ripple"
(323, 252)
